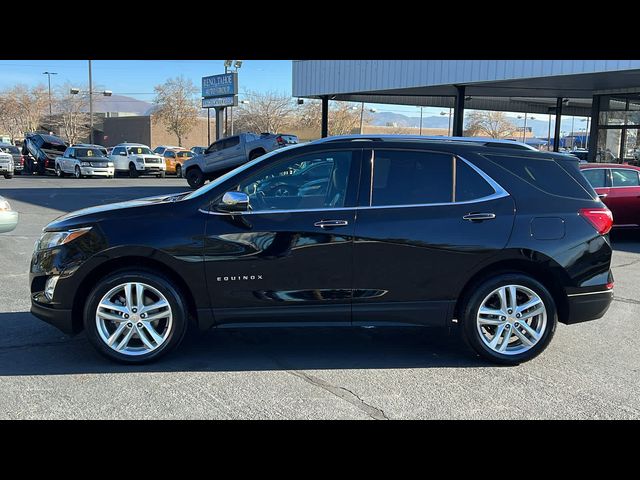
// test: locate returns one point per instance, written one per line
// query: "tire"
(170, 329)
(8, 176)
(77, 173)
(59, 172)
(179, 171)
(133, 173)
(195, 177)
(255, 154)
(516, 350)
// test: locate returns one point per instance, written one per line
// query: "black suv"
(501, 243)
(40, 152)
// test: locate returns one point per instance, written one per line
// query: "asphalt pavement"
(590, 370)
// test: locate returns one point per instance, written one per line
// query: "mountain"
(121, 103)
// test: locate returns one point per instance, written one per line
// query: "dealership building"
(605, 91)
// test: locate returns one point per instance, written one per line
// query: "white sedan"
(8, 217)
(85, 161)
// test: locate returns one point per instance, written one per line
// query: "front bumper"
(59, 318)
(588, 306)
(98, 171)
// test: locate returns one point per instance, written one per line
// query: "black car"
(500, 243)
(40, 152)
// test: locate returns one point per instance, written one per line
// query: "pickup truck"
(231, 152)
(137, 159)
(40, 152)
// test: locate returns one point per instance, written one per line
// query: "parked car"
(619, 188)
(160, 149)
(8, 217)
(231, 152)
(6, 165)
(85, 161)
(43, 150)
(18, 159)
(504, 248)
(198, 150)
(175, 158)
(581, 154)
(137, 159)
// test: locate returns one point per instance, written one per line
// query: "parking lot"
(590, 370)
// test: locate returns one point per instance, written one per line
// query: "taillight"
(610, 286)
(600, 218)
(22, 160)
(280, 140)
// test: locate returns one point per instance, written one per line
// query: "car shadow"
(626, 240)
(30, 347)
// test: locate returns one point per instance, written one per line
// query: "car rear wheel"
(135, 316)
(195, 178)
(179, 171)
(8, 176)
(133, 172)
(59, 173)
(509, 319)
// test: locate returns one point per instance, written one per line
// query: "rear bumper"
(588, 306)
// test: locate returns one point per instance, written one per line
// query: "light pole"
(549, 134)
(76, 91)
(237, 65)
(586, 133)
(449, 127)
(421, 120)
(227, 65)
(48, 74)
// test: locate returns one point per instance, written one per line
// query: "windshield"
(242, 168)
(185, 154)
(89, 152)
(10, 149)
(139, 151)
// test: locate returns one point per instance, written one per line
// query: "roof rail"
(425, 138)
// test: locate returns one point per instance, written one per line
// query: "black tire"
(195, 177)
(179, 171)
(255, 154)
(77, 173)
(8, 176)
(59, 172)
(173, 295)
(472, 302)
(133, 173)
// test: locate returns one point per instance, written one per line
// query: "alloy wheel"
(511, 319)
(134, 319)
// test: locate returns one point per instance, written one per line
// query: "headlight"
(4, 205)
(140, 160)
(54, 239)
(85, 164)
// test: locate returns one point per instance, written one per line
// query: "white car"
(8, 217)
(85, 161)
(6, 164)
(137, 159)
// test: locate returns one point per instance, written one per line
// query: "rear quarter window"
(545, 174)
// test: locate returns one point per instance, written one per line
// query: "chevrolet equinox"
(498, 242)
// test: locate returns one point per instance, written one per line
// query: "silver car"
(6, 165)
(8, 217)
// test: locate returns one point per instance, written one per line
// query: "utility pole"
(421, 120)
(361, 117)
(90, 106)
(48, 74)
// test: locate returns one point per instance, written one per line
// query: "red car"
(618, 186)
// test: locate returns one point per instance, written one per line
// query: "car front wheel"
(509, 319)
(135, 316)
(77, 173)
(195, 177)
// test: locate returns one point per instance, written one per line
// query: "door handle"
(602, 195)
(479, 217)
(331, 223)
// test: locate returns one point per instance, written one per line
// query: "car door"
(231, 153)
(429, 217)
(69, 163)
(212, 154)
(624, 196)
(287, 258)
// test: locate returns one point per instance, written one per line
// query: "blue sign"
(212, 102)
(220, 85)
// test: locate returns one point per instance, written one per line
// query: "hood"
(94, 214)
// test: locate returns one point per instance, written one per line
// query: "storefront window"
(619, 123)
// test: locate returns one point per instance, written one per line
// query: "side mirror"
(234, 202)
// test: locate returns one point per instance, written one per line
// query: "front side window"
(624, 178)
(284, 186)
(411, 177)
(597, 177)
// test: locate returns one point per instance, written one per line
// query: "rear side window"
(544, 174)
(411, 177)
(597, 177)
(231, 142)
(469, 184)
(624, 178)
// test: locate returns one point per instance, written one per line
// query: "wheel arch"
(543, 274)
(128, 262)
(260, 150)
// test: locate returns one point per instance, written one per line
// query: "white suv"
(137, 159)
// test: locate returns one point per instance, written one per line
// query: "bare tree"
(10, 116)
(176, 106)
(71, 115)
(489, 124)
(344, 117)
(23, 108)
(265, 112)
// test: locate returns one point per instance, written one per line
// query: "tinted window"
(544, 174)
(89, 152)
(597, 177)
(411, 177)
(117, 151)
(169, 154)
(70, 152)
(624, 178)
(139, 151)
(469, 184)
(231, 142)
(278, 187)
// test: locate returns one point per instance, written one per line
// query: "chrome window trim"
(499, 192)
